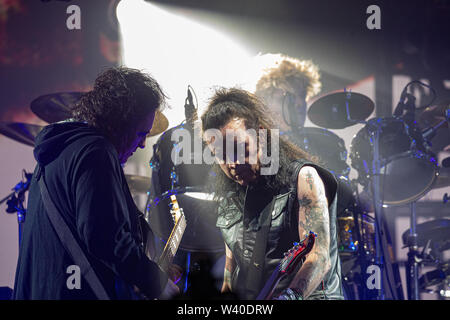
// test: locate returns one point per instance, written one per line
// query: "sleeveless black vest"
(239, 220)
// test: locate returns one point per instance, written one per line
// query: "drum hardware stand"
(363, 257)
(376, 194)
(16, 199)
(414, 258)
(406, 110)
(377, 209)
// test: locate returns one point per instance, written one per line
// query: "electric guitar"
(172, 244)
(295, 255)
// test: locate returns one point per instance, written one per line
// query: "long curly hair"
(227, 104)
(291, 75)
(121, 97)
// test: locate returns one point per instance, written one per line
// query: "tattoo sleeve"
(313, 216)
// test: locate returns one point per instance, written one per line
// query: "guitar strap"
(68, 240)
(256, 267)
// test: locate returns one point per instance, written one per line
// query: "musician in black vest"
(80, 160)
(262, 215)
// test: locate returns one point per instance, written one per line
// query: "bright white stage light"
(178, 52)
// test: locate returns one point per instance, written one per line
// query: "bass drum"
(407, 170)
(324, 144)
(188, 181)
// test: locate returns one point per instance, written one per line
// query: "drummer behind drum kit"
(391, 155)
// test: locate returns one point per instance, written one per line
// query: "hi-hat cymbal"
(138, 184)
(21, 132)
(330, 111)
(56, 107)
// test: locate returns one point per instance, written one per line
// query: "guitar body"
(295, 256)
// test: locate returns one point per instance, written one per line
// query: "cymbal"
(330, 111)
(433, 115)
(138, 184)
(56, 107)
(21, 132)
(160, 124)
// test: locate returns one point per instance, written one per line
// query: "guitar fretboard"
(172, 243)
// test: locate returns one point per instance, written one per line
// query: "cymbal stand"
(414, 258)
(376, 171)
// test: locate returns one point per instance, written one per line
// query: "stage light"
(178, 51)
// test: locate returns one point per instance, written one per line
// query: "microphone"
(190, 112)
(429, 133)
(407, 103)
(398, 112)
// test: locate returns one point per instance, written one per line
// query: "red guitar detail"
(297, 254)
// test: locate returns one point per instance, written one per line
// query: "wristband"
(291, 294)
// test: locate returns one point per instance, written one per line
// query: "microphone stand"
(15, 202)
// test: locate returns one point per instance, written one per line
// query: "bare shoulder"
(310, 183)
(313, 205)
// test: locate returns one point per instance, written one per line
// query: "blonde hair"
(291, 75)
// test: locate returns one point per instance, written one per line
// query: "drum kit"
(396, 166)
(391, 155)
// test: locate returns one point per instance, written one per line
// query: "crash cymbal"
(138, 184)
(160, 124)
(21, 132)
(55, 107)
(330, 111)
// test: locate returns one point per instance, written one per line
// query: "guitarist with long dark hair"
(262, 215)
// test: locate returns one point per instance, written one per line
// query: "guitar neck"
(172, 244)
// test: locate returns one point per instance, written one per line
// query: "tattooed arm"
(228, 271)
(313, 215)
